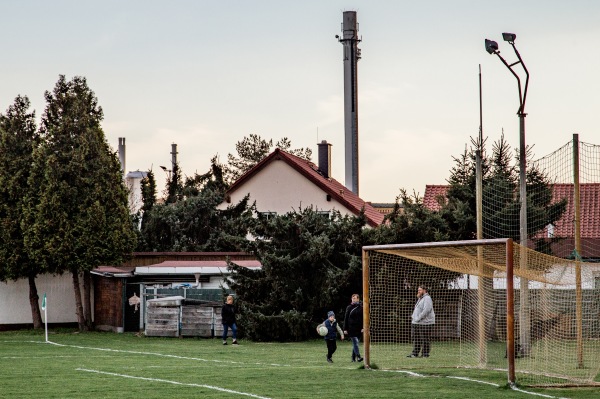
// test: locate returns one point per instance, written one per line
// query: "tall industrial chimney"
(350, 42)
(173, 156)
(122, 154)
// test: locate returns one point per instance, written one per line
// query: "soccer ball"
(322, 331)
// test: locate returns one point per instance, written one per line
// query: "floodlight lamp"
(509, 37)
(491, 46)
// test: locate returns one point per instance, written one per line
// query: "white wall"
(280, 188)
(14, 300)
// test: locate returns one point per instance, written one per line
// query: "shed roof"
(193, 267)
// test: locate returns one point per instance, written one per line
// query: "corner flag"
(44, 302)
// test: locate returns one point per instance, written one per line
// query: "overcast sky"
(204, 74)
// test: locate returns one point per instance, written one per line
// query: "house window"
(324, 214)
(268, 215)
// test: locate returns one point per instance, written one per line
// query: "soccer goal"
(549, 336)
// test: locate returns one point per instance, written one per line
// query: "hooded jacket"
(423, 313)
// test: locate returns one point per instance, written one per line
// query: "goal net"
(475, 288)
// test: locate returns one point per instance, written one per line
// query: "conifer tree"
(78, 216)
(310, 264)
(18, 140)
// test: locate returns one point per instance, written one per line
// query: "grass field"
(107, 365)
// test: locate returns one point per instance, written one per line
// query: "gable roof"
(310, 171)
(589, 194)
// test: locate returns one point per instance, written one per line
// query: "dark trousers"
(331, 347)
(421, 335)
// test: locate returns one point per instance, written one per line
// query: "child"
(228, 320)
(330, 338)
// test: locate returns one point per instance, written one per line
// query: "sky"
(205, 74)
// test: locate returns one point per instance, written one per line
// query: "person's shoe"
(224, 342)
(329, 360)
(412, 355)
(359, 359)
(234, 342)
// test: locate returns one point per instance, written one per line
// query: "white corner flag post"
(44, 308)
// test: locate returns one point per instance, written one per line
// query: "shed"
(176, 316)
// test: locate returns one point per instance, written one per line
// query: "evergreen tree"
(18, 140)
(174, 189)
(310, 264)
(411, 222)
(194, 222)
(501, 205)
(251, 150)
(78, 216)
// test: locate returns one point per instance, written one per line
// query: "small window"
(550, 229)
(268, 215)
(324, 214)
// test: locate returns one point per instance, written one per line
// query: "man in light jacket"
(423, 319)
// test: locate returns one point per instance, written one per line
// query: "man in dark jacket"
(228, 320)
(353, 325)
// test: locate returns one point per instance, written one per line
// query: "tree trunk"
(78, 305)
(34, 303)
(87, 300)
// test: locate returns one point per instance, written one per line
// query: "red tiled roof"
(589, 198)
(432, 193)
(589, 195)
(329, 185)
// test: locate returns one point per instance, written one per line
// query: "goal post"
(475, 287)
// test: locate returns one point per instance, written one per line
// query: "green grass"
(107, 365)
(551, 362)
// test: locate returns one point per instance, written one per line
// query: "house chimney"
(325, 158)
(122, 154)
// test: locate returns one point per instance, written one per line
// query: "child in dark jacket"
(228, 320)
(330, 339)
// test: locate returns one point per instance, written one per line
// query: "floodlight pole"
(524, 289)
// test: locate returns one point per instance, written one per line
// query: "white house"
(283, 182)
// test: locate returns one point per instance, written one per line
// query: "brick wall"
(108, 303)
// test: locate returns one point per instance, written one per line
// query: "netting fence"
(478, 310)
(563, 202)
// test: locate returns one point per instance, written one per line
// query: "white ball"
(323, 331)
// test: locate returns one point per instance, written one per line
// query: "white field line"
(472, 380)
(176, 383)
(413, 374)
(169, 356)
